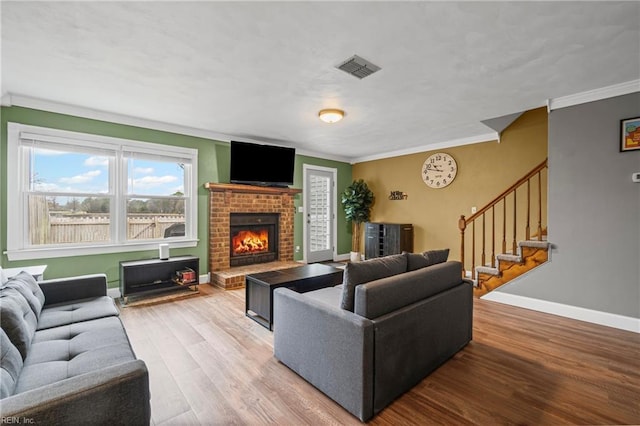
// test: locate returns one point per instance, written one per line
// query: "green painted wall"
(213, 166)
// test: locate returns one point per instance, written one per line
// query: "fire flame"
(245, 242)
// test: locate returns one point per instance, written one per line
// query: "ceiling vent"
(358, 67)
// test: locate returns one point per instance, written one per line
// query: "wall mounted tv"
(263, 165)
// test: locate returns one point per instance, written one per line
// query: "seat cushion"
(331, 296)
(29, 289)
(77, 311)
(10, 365)
(356, 273)
(17, 319)
(67, 351)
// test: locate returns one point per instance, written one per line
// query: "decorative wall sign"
(630, 134)
(398, 196)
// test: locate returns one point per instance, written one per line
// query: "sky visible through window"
(69, 172)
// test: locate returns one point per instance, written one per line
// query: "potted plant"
(357, 200)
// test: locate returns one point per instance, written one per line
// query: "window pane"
(152, 177)
(59, 171)
(155, 218)
(68, 220)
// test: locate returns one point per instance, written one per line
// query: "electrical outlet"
(297, 249)
(635, 177)
(473, 210)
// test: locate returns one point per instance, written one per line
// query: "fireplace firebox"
(253, 238)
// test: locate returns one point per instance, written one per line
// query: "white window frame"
(18, 247)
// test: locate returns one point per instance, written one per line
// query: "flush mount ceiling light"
(331, 115)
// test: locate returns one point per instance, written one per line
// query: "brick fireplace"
(227, 200)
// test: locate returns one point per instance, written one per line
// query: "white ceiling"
(262, 70)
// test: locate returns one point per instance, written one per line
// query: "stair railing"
(490, 208)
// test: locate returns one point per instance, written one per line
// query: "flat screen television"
(263, 165)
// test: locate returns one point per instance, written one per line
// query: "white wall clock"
(439, 170)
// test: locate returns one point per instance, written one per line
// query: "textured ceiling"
(262, 70)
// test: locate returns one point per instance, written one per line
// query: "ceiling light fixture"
(331, 115)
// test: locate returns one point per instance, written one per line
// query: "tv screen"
(264, 165)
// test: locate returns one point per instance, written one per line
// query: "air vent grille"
(358, 67)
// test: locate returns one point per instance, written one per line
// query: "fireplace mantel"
(234, 187)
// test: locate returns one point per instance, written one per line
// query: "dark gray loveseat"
(392, 322)
(65, 357)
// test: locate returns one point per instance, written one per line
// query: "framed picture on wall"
(630, 134)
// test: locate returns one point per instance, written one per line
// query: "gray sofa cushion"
(29, 289)
(17, 319)
(416, 261)
(10, 365)
(77, 311)
(356, 273)
(380, 297)
(67, 351)
(331, 296)
(436, 256)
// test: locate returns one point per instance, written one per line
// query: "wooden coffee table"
(259, 287)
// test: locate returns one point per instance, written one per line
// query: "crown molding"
(9, 99)
(594, 95)
(486, 137)
(94, 114)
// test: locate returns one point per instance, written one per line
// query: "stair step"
(535, 244)
(487, 270)
(509, 258)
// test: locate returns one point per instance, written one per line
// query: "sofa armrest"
(329, 347)
(115, 395)
(73, 288)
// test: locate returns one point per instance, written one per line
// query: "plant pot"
(355, 256)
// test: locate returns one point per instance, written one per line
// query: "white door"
(319, 208)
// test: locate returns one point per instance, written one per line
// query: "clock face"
(439, 170)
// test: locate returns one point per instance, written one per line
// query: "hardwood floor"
(209, 364)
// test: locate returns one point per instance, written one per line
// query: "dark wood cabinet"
(383, 239)
(156, 275)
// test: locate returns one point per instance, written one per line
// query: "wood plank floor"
(211, 365)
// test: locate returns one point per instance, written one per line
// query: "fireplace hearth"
(253, 238)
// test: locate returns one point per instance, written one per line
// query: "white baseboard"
(575, 312)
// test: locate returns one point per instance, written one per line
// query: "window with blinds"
(80, 193)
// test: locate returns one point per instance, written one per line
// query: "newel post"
(462, 225)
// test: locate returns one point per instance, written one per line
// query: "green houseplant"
(357, 200)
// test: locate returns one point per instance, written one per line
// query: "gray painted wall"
(594, 212)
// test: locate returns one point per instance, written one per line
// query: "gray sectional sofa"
(391, 323)
(65, 357)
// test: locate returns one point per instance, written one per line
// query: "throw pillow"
(29, 289)
(436, 256)
(356, 273)
(17, 319)
(415, 261)
(10, 365)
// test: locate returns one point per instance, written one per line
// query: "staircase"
(506, 218)
(532, 254)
